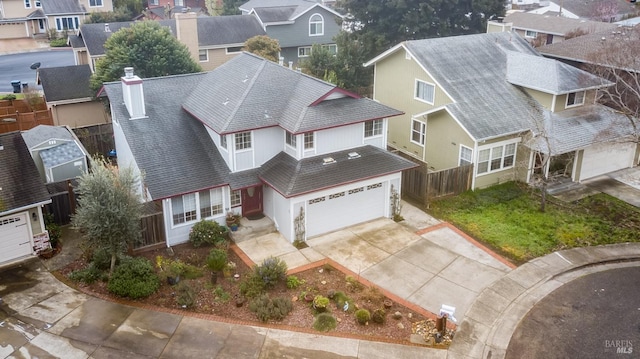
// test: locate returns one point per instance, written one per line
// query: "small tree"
(264, 46)
(108, 213)
(320, 64)
(146, 46)
(217, 262)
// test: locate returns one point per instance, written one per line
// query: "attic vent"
(106, 28)
(328, 160)
(353, 155)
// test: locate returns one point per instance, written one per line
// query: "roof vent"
(353, 155)
(106, 28)
(328, 160)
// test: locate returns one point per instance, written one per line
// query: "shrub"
(320, 303)
(88, 275)
(379, 316)
(341, 300)
(207, 232)
(58, 43)
(373, 295)
(353, 284)
(363, 316)
(185, 295)
(8, 97)
(324, 322)
(101, 259)
(252, 286)
(294, 282)
(221, 295)
(134, 278)
(177, 268)
(272, 270)
(55, 232)
(217, 260)
(270, 309)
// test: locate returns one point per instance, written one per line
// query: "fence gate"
(152, 226)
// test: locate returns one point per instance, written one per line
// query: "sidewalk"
(12, 46)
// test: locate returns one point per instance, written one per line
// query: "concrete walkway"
(13, 46)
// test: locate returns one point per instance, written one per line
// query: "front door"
(41, 26)
(251, 201)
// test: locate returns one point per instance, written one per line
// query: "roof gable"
(283, 10)
(44, 133)
(20, 182)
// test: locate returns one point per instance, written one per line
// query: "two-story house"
(297, 25)
(211, 40)
(255, 137)
(598, 10)
(492, 101)
(28, 18)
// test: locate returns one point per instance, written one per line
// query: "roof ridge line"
(245, 94)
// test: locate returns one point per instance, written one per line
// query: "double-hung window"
(309, 141)
(203, 55)
(496, 158)
(95, 3)
(236, 198)
(290, 139)
(27, 4)
(465, 156)
(67, 23)
(316, 25)
(243, 140)
(530, 34)
(425, 91)
(575, 99)
(210, 202)
(418, 132)
(304, 51)
(373, 128)
(183, 208)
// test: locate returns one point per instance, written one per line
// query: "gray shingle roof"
(578, 128)
(20, 182)
(249, 92)
(244, 179)
(38, 14)
(212, 31)
(550, 76)
(52, 7)
(65, 83)
(299, 6)
(43, 133)
(76, 41)
(63, 153)
(291, 178)
(172, 148)
(555, 25)
(583, 48)
(472, 70)
(585, 8)
(275, 14)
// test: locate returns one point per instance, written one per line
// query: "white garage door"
(606, 158)
(342, 209)
(14, 237)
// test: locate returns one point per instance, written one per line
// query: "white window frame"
(417, 91)
(27, 4)
(332, 48)
(421, 132)
(313, 24)
(189, 212)
(575, 96)
(290, 139)
(233, 50)
(304, 51)
(98, 3)
(236, 198)
(178, 2)
(497, 155)
(203, 55)
(75, 22)
(373, 128)
(223, 141)
(309, 144)
(38, 4)
(215, 207)
(153, 2)
(243, 141)
(530, 34)
(466, 156)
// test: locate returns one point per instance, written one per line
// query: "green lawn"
(507, 218)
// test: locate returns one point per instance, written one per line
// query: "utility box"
(16, 86)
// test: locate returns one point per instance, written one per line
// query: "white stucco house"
(255, 137)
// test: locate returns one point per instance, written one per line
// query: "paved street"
(16, 66)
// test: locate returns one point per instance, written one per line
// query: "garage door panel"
(605, 158)
(14, 237)
(344, 208)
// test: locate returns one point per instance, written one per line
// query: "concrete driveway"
(429, 267)
(623, 185)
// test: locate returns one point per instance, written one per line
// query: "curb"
(489, 324)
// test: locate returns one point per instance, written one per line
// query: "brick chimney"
(133, 94)
(187, 32)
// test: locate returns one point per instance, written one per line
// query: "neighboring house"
(69, 97)
(28, 18)
(22, 195)
(160, 12)
(547, 29)
(297, 25)
(599, 10)
(479, 99)
(255, 137)
(211, 40)
(56, 152)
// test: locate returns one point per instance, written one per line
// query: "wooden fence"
(63, 202)
(96, 139)
(152, 226)
(19, 115)
(422, 185)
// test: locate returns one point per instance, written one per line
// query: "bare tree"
(604, 11)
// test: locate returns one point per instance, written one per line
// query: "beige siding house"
(492, 101)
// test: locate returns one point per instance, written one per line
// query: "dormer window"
(575, 99)
(316, 25)
(290, 139)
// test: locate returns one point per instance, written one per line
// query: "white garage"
(15, 239)
(607, 157)
(345, 207)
